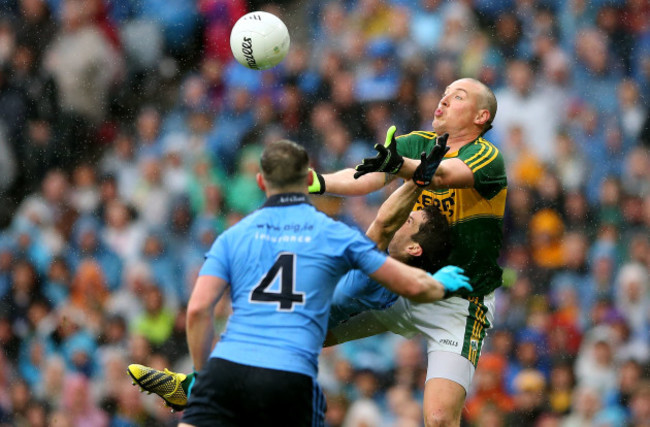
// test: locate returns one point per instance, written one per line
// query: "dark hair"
(434, 237)
(284, 163)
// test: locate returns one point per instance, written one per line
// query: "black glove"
(317, 185)
(386, 160)
(429, 164)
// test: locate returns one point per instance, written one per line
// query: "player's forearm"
(408, 168)
(452, 173)
(393, 213)
(343, 183)
(423, 287)
(199, 336)
(409, 282)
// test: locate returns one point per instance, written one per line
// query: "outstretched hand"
(452, 279)
(386, 160)
(429, 164)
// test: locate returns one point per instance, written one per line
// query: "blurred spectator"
(489, 389)
(164, 267)
(521, 103)
(20, 398)
(529, 399)
(636, 178)
(148, 134)
(595, 366)
(220, 16)
(427, 24)
(546, 231)
(587, 402)
(157, 321)
(596, 72)
(8, 162)
(571, 166)
(633, 298)
(526, 168)
(243, 195)
(37, 26)
(79, 405)
(561, 384)
(640, 405)
(87, 244)
(401, 407)
(126, 302)
(226, 136)
(379, 80)
(25, 289)
(632, 111)
(89, 292)
(122, 234)
(83, 63)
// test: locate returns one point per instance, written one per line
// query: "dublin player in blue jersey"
(280, 265)
(418, 238)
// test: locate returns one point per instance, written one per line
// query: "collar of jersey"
(286, 199)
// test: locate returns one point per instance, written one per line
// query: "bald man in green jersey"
(469, 187)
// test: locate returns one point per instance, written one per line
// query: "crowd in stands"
(130, 138)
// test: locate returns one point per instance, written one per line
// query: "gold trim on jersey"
(422, 133)
(486, 154)
(462, 204)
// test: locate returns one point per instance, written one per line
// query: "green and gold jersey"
(475, 214)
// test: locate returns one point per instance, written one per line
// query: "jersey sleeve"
(414, 143)
(358, 250)
(216, 260)
(486, 163)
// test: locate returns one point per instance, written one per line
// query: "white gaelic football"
(259, 40)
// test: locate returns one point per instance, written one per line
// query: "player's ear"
(414, 249)
(482, 116)
(260, 182)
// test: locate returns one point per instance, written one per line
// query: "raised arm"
(371, 175)
(343, 183)
(429, 172)
(392, 214)
(200, 319)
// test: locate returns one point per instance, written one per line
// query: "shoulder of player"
(479, 153)
(418, 134)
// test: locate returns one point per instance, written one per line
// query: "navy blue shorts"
(229, 394)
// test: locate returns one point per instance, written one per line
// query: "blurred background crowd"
(129, 139)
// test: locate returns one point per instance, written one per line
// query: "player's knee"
(441, 418)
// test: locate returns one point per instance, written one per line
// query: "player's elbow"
(197, 309)
(415, 294)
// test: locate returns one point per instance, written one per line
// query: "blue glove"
(452, 278)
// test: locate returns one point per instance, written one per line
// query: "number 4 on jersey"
(284, 267)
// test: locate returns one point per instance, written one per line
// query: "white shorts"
(454, 330)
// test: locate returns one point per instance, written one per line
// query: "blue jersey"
(357, 292)
(282, 263)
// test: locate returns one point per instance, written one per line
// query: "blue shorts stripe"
(318, 400)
